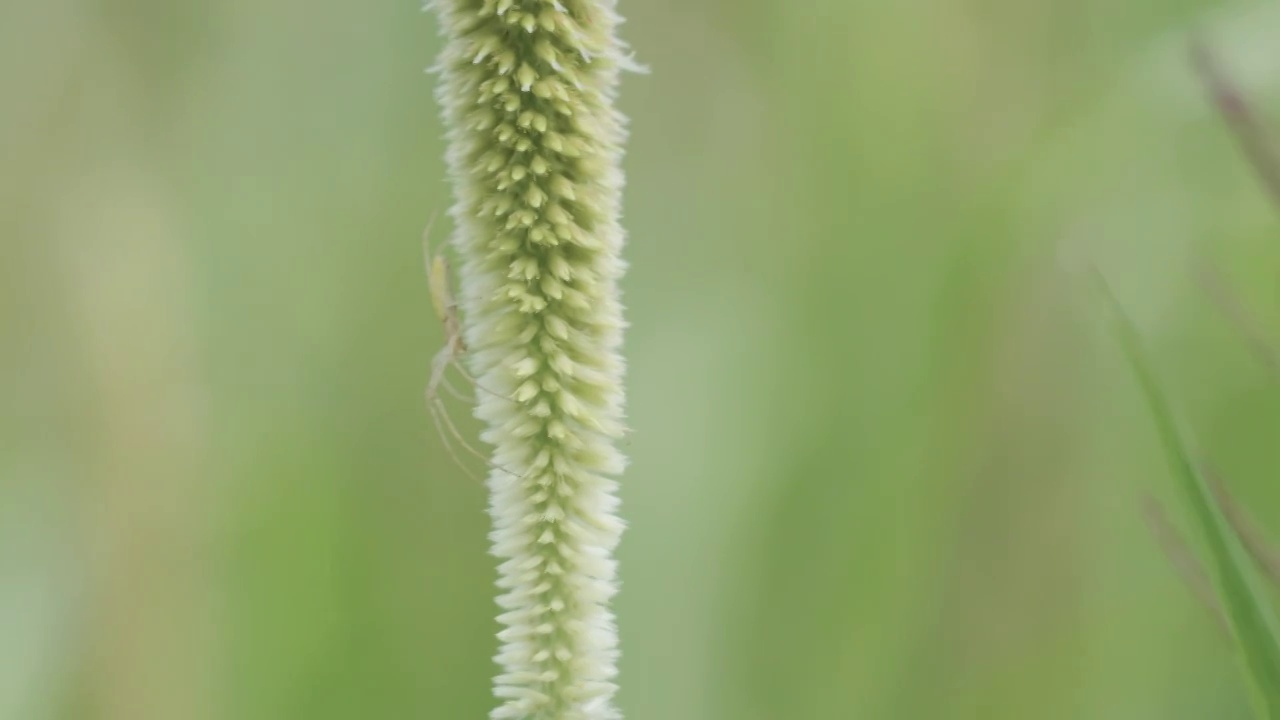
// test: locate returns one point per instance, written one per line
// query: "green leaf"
(1252, 623)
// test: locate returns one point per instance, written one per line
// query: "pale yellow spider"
(446, 308)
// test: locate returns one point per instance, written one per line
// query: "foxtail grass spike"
(534, 151)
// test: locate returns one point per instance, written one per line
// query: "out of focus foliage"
(884, 464)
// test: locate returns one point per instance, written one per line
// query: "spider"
(446, 308)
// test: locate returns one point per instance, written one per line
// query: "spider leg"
(453, 391)
(440, 418)
(471, 380)
(444, 422)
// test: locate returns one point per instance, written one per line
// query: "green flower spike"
(535, 146)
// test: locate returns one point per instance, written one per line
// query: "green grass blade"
(1252, 622)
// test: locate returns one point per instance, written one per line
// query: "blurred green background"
(886, 462)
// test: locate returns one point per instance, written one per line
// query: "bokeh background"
(886, 461)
